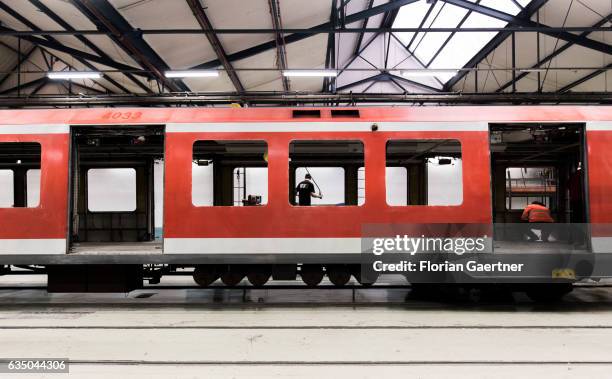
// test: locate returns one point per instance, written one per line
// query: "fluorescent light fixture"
(426, 72)
(311, 73)
(74, 75)
(192, 74)
(532, 70)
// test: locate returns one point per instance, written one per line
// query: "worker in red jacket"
(537, 213)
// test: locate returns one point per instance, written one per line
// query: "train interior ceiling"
(543, 163)
(117, 189)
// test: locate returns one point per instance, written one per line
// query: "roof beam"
(519, 6)
(312, 31)
(21, 86)
(385, 76)
(32, 26)
(387, 22)
(450, 36)
(354, 57)
(355, 17)
(526, 13)
(421, 24)
(413, 83)
(77, 54)
(376, 77)
(305, 98)
(200, 16)
(555, 53)
(281, 51)
(39, 87)
(20, 61)
(514, 20)
(86, 87)
(330, 53)
(413, 56)
(55, 17)
(583, 79)
(363, 27)
(70, 67)
(106, 17)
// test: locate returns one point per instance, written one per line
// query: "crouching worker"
(537, 213)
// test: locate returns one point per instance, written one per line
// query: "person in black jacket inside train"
(306, 190)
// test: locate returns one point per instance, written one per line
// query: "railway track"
(330, 337)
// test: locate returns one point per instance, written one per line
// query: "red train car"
(506, 156)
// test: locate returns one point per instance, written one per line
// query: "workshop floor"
(368, 333)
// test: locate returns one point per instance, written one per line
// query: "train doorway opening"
(544, 163)
(116, 189)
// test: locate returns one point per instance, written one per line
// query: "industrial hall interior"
(298, 189)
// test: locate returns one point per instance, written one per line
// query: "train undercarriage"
(109, 278)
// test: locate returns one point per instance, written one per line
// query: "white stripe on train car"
(598, 125)
(275, 245)
(33, 246)
(601, 244)
(326, 127)
(262, 245)
(35, 129)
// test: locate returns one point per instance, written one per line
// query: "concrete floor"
(192, 333)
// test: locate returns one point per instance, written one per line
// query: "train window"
(7, 194)
(361, 186)
(202, 183)
(249, 180)
(229, 173)
(111, 190)
(158, 197)
(335, 170)
(33, 187)
(330, 178)
(527, 184)
(397, 184)
(424, 172)
(19, 174)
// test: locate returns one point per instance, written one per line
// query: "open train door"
(116, 189)
(544, 163)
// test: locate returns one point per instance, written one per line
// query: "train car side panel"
(599, 141)
(279, 227)
(42, 229)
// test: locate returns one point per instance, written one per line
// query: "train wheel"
(205, 275)
(312, 274)
(259, 275)
(365, 281)
(339, 275)
(233, 275)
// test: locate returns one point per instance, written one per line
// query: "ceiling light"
(74, 75)
(532, 70)
(192, 74)
(311, 73)
(420, 73)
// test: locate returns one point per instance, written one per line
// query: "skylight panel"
(410, 16)
(506, 6)
(463, 46)
(450, 17)
(524, 3)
